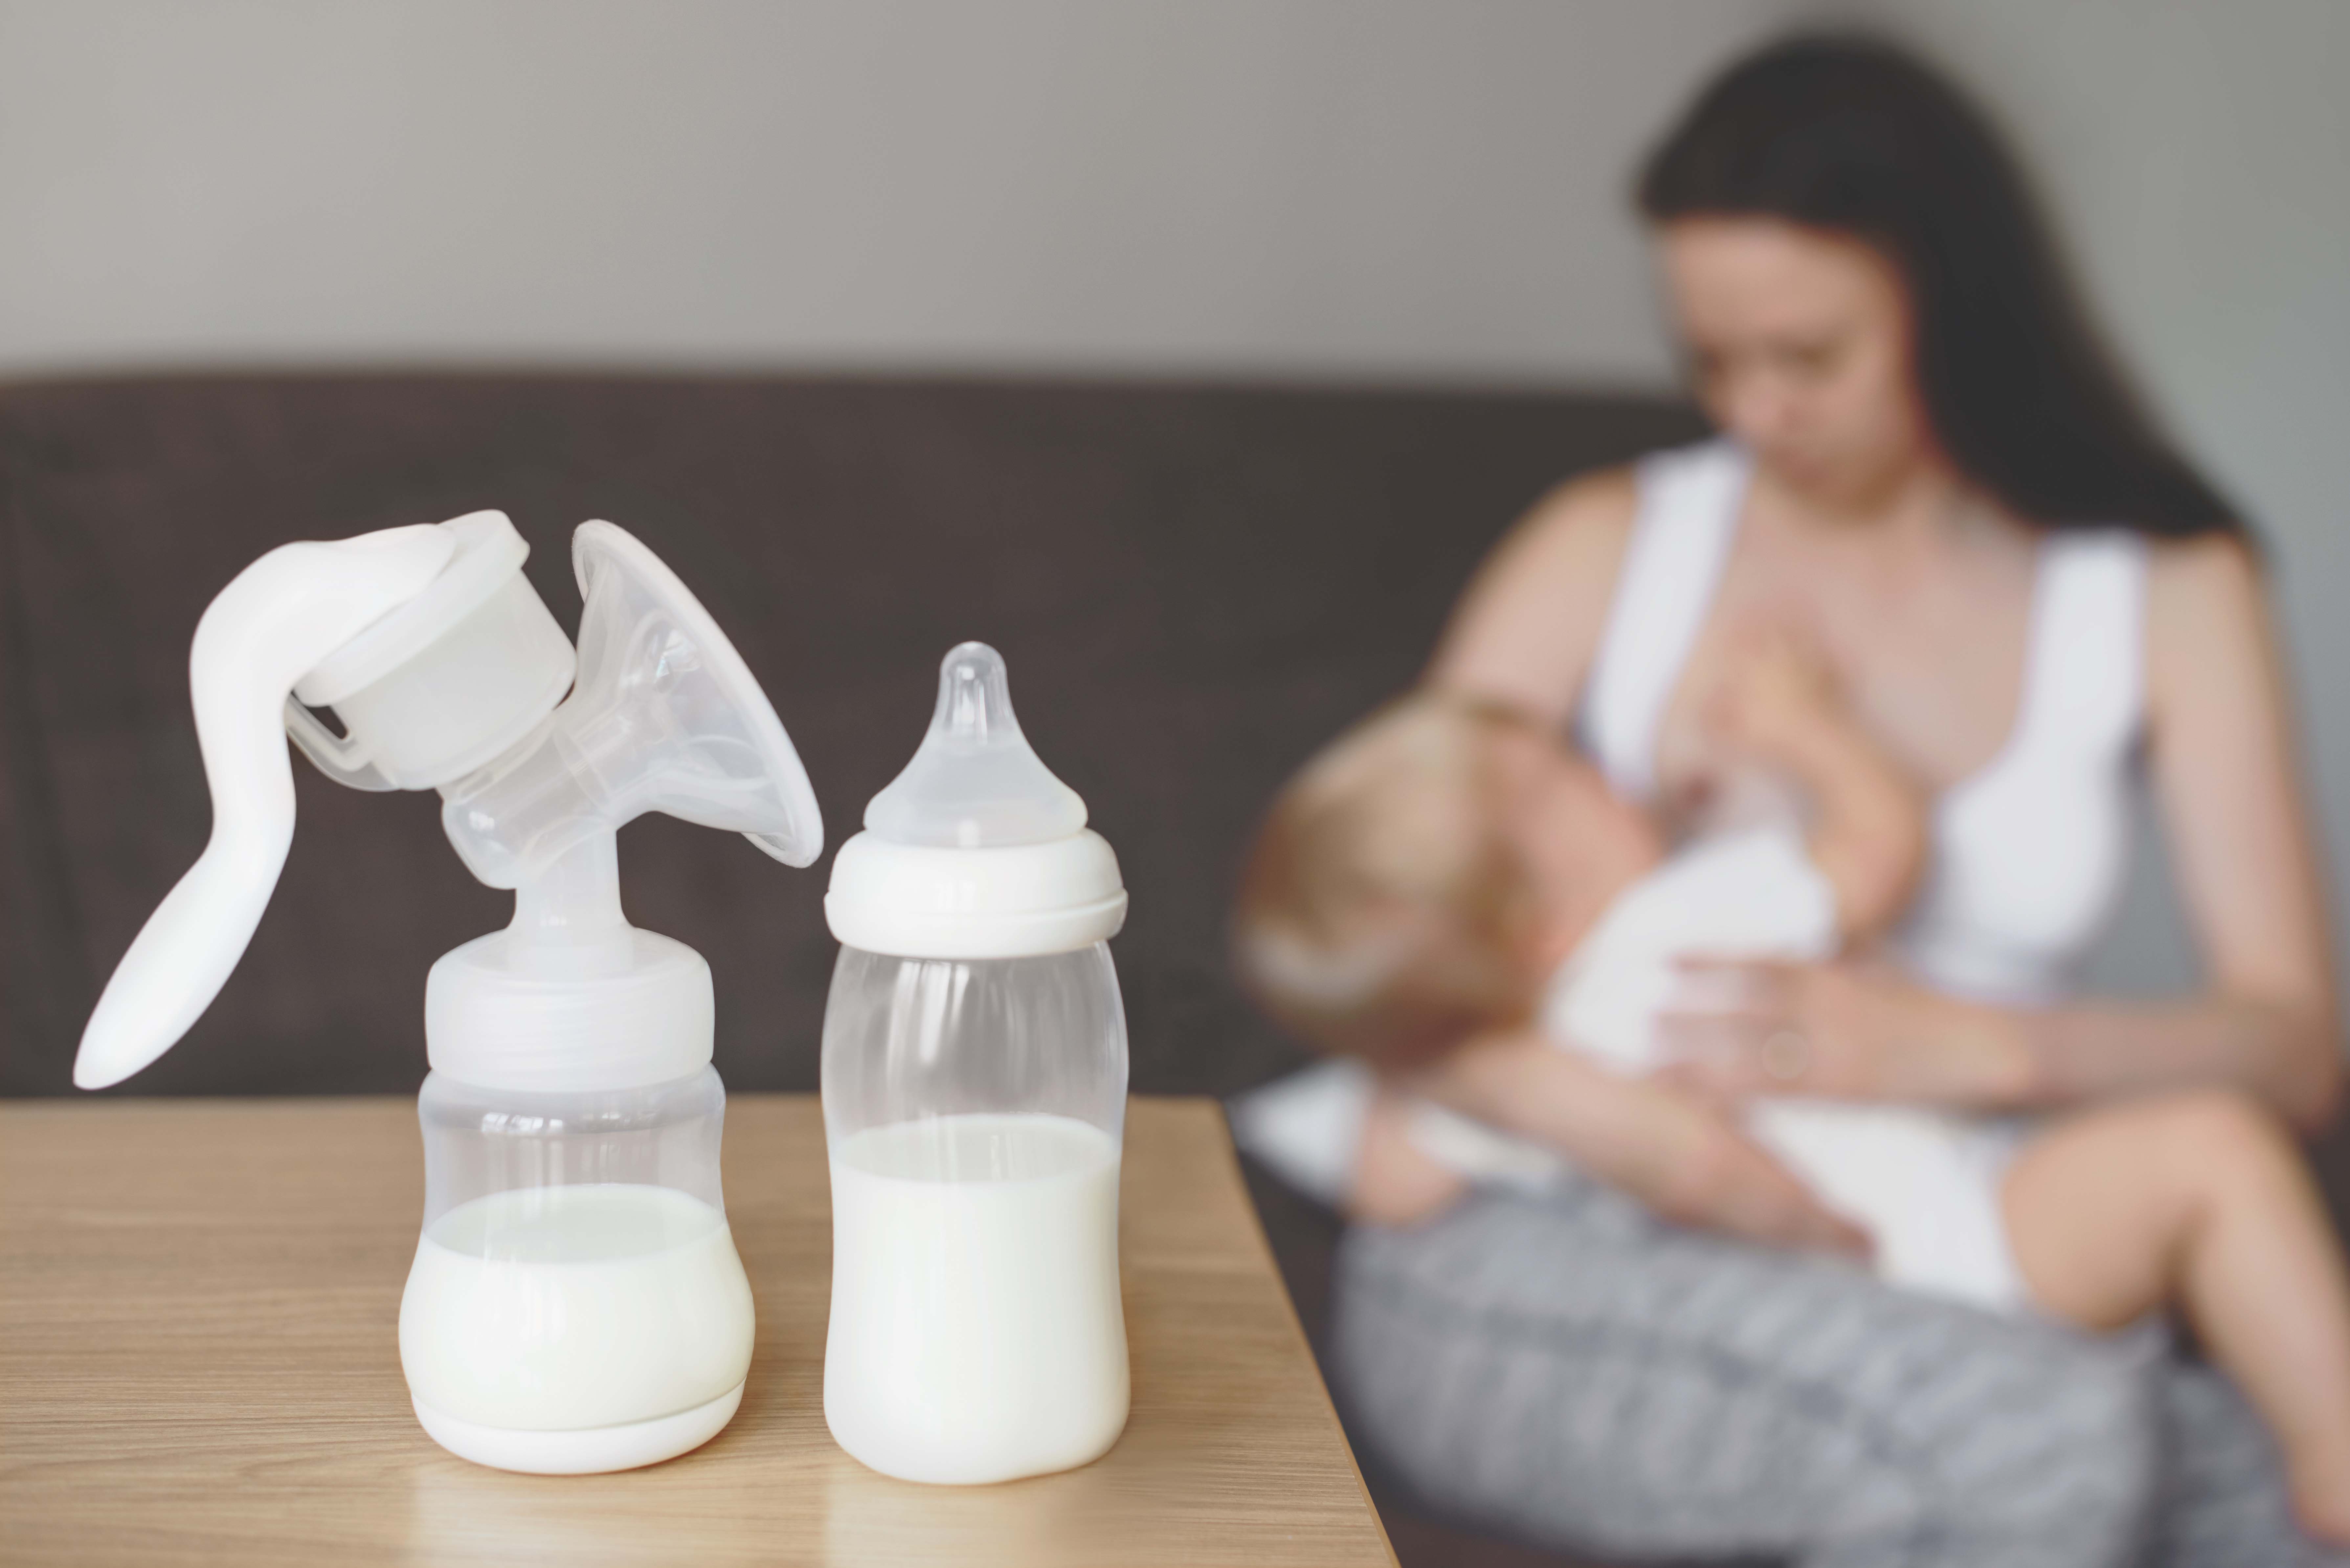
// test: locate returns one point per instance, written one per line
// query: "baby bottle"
(975, 1094)
(576, 1304)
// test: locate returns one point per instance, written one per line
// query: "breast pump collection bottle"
(974, 1097)
(576, 1304)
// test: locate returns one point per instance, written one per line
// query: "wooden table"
(198, 1365)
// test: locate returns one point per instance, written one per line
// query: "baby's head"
(1415, 884)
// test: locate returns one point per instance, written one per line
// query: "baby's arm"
(1685, 1158)
(1868, 825)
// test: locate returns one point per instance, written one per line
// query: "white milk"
(561, 1308)
(977, 1331)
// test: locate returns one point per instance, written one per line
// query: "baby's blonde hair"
(1384, 913)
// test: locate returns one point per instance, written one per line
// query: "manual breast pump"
(576, 1304)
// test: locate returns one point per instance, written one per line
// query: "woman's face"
(1799, 341)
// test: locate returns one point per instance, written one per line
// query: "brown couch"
(1194, 586)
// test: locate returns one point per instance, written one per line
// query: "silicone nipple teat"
(974, 783)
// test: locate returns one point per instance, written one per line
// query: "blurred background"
(1191, 352)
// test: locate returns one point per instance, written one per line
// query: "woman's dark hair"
(1852, 135)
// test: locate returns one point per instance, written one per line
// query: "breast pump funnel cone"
(975, 1099)
(665, 717)
(576, 1304)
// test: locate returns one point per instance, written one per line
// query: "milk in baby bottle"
(974, 1091)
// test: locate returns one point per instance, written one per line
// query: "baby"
(1449, 872)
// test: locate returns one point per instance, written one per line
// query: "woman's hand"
(1839, 1031)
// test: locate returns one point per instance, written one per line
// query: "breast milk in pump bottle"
(576, 1304)
(974, 1098)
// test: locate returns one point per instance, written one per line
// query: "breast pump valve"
(577, 1304)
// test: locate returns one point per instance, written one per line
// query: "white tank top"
(2029, 852)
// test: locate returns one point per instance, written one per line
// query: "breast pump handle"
(276, 620)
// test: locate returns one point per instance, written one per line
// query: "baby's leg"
(2201, 1199)
(1397, 1182)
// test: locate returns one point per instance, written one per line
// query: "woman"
(1931, 472)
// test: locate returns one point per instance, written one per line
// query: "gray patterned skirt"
(1569, 1371)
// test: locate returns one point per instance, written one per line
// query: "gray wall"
(1306, 188)
(2197, 158)
(1303, 185)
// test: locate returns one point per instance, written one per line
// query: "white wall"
(1426, 188)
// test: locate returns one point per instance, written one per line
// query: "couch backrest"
(1194, 586)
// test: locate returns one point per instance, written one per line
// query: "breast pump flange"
(572, 1119)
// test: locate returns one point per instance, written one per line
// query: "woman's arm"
(1529, 624)
(2227, 771)
(1685, 1159)
(2221, 744)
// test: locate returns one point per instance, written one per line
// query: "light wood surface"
(198, 1363)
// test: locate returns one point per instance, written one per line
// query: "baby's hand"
(1777, 686)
